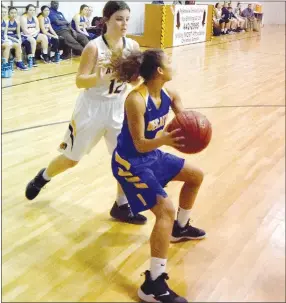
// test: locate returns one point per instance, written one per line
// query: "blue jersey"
(12, 29)
(143, 176)
(82, 21)
(31, 24)
(155, 119)
(3, 26)
(47, 22)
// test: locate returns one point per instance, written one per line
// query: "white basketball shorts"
(92, 120)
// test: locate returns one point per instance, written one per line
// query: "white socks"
(157, 267)
(183, 216)
(121, 200)
(45, 176)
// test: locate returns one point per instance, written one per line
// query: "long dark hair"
(137, 64)
(42, 9)
(82, 7)
(110, 8)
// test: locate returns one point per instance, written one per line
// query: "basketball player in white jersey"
(99, 110)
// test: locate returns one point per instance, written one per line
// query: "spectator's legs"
(6, 47)
(33, 45)
(82, 39)
(18, 51)
(43, 39)
(70, 41)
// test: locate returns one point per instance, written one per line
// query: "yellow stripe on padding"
(142, 199)
(121, 161)
(123, 173)
(133, 179)
(141, 185)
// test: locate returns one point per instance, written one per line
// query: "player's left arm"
(176, 101)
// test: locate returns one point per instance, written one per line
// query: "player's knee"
(165, 209)
(196, 177)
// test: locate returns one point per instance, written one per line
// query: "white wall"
(136, 23)
(273, 12)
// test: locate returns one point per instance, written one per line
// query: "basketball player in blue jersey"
(31, 31)
(47, 29)
(5, 43)
(99, 108)
(14, 35)
(79, 22)
(143, 170)
(8, 38)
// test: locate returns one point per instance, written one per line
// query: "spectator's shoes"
(21, 66)
(123, 213)
(56, 58)
(34, 187)
(186, 233)
(34, 62)
(45, 58)
(158, 290)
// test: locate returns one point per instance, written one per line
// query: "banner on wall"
(190, 24)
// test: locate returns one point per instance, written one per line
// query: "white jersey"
(108, 89)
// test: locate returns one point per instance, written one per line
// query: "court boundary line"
(48, 78)
(187, 108)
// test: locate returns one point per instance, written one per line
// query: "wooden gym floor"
(63, 247)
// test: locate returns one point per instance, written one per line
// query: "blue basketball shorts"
(143, 178)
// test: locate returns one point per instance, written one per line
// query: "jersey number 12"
(115, 89)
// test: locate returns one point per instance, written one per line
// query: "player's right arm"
(135, 109)
(84, 77)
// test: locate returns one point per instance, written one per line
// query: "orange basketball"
(196, 129)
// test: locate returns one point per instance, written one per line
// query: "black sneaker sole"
(128, 220)
(184, 238)
(146, 298)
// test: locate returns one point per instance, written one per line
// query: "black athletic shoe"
(45, 58)
(123, 213)
(34, 187)
(158, 290)
(186, 233)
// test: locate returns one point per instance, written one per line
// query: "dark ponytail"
(138, 64)
(42, 10)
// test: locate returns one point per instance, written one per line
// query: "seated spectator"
(89, 27)
(216, 27)
(98, 23)
(31, 31)
(79, 22)
(241, 20)
(221, 19)
(233, 21)
(5, 43)
(248, 13)
(13, 34)
(47, 29)
(72, 39)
